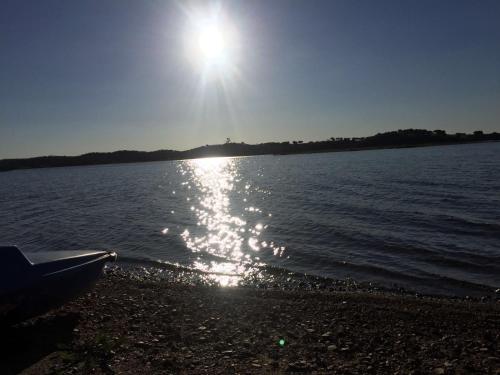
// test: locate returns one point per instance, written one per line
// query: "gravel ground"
(129, 325)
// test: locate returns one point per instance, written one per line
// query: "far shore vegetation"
(393, 139)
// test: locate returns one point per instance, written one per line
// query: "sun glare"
(212, 42)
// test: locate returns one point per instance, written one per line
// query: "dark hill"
(393, 139)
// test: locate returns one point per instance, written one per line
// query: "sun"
(212, 42)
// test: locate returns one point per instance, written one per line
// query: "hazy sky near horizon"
(82, 76)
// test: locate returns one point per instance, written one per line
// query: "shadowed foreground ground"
(130, 326)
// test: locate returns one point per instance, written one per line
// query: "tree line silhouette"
(392, 139)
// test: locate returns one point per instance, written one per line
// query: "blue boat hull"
(37, 288)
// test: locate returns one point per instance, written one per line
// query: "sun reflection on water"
(222, 230)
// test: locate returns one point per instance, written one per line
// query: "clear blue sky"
(81, 76)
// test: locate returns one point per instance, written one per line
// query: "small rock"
(298, 366)
(142, 344)
(332, 348)
(439, 371)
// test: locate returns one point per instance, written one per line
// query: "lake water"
(427, 219)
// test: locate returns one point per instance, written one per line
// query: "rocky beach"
(135, 322)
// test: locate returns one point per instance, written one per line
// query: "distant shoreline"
(397, 139)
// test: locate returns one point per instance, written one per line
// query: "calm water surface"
(427, 219)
